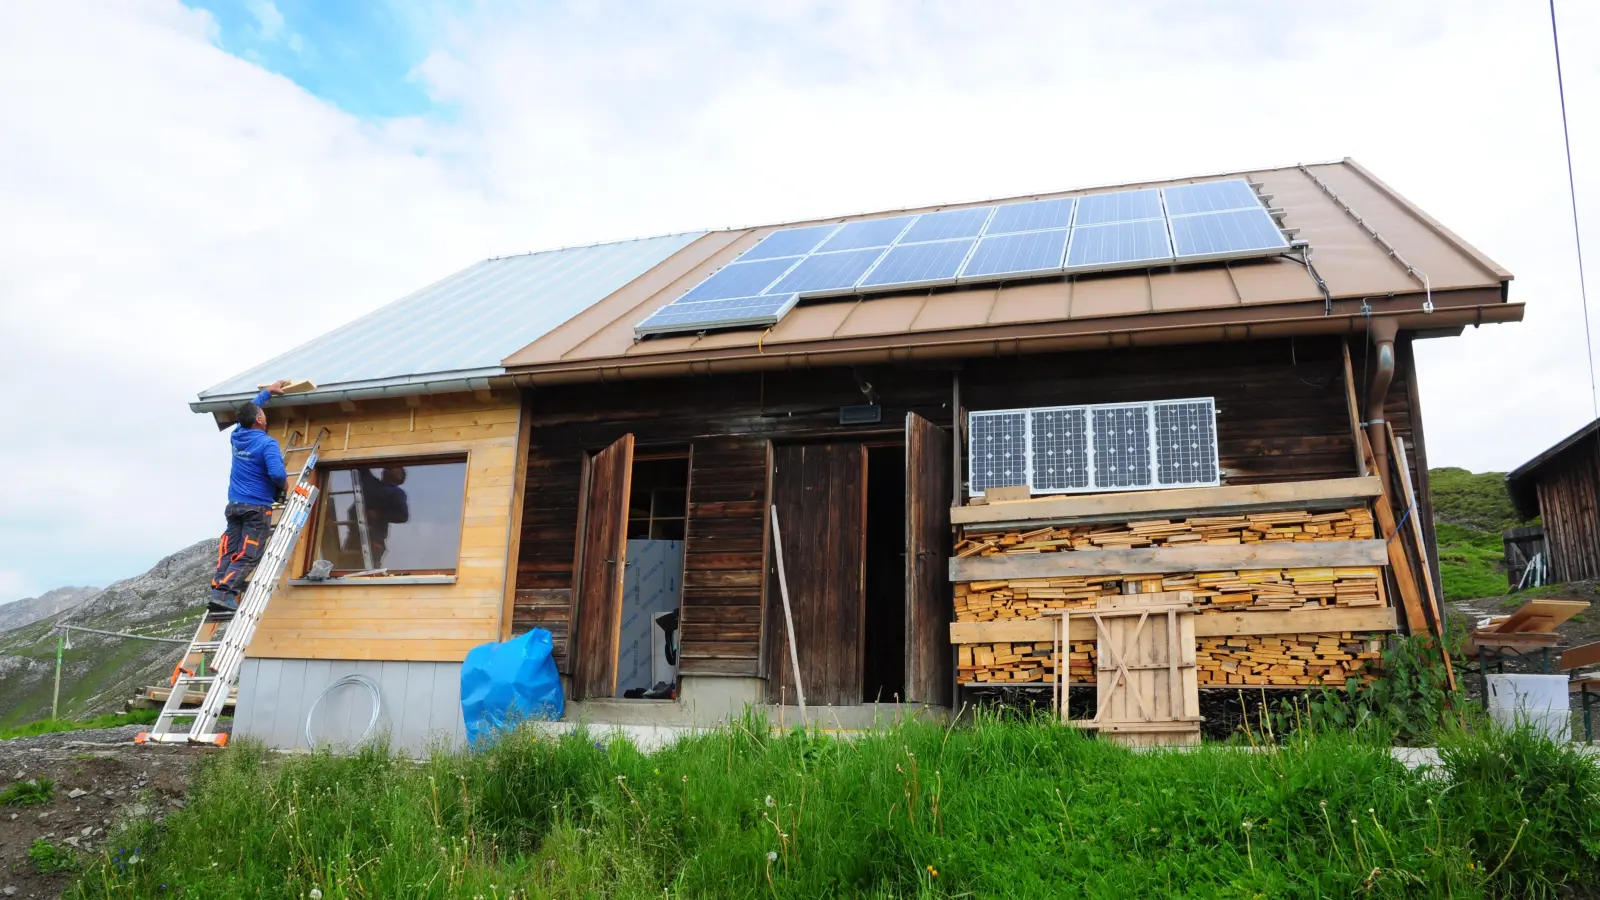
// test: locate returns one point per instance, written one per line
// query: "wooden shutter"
(603, 542)
(928, 594)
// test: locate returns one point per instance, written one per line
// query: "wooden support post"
(788, 616)
(1399, 562)
(1353, 408)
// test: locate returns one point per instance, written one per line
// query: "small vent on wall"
(861, 414)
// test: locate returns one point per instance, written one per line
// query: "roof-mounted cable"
(1417, 274)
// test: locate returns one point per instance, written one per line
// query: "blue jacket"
(258, 475)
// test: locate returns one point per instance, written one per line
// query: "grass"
(1471, 562)
(1473, 500)
(54, 726)
(1004, 808)
(33, 792)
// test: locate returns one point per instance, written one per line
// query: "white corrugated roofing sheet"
(459, 328)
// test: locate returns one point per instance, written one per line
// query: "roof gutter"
(462, 381)
(1196, 326)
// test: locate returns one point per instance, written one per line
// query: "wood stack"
(1340, 525)
(1265, 589)
(1287, 659)
(1021, 663)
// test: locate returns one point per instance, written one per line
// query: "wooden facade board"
(597, 614)
(1335, 493)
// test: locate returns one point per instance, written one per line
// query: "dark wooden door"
(603, 542)
(820, 491)
(928, 595)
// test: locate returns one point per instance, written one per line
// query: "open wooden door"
(603, 543)
(928, 594)
(820, 491)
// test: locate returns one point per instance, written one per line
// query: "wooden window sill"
(375, 580)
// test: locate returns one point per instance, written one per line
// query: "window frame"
(317, 523)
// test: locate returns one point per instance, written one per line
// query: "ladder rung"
(194, 679)
(204, 646)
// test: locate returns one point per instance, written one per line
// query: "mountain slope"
(100, 672)
(1469, 512)
(31, 609)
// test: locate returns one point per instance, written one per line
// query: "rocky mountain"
(100, 672)
(31, 609)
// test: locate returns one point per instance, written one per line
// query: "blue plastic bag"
(503, 684)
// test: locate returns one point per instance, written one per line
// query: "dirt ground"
(101, 779)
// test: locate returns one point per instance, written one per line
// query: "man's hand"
(276, 388)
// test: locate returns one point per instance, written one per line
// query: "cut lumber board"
(293, 387)
(1541, 616)
(1578, 657)
(1220, 624)
(1286, 555)
(1328, 493)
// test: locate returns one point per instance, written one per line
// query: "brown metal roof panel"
(811, 322)
(954, 309)
(882, 315)
(1042, 301)
(1195, 289)
(1122, 294)
(1273, 281)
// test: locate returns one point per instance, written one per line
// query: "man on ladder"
(257, 480)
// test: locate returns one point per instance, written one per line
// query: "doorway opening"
(884, 633)
(652, 581)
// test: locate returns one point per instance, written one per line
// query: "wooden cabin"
(1561, 486)
(570, 466)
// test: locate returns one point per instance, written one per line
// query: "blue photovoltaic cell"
(919, 263)
(1210, 196)
(680, 314)
(739, 279)
(1124, 242)
(827, 272)
(1123, 206)
(1238, 231)
(788, 242)
(1037, 215)
(952, 223)
(1033, 251)
(867, 233)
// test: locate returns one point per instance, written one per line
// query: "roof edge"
(459, 381)
(1551, 452)
(1433, 224)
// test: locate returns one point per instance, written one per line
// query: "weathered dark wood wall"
(1278, 420)
(1569, 505)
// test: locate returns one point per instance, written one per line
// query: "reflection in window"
(399, 518)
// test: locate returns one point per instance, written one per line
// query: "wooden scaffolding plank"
(1330, 493)
(1221, 624)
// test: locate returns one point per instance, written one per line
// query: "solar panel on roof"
(1119, 244)
(910, 265)
(1016, 255)
(997, 449)
(789, 242)
(1121, 206)
(952, 223)
(866, 233)
(739, 279)
(681, 316)
(1186, 443)
(1037, 215)
(1237, 231)
(1210, 196)
(821, 272)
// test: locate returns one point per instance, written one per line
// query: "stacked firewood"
(1287, 659)
(1020, 663)
(1253, 589)
(1341, 525)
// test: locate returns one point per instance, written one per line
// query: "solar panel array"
(1104, 447)
(1096, 232)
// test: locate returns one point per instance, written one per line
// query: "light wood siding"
(435, 622)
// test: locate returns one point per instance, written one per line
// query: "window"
(391, 517)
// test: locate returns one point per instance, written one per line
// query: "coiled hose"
(377, 706)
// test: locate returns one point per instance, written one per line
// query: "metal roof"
(1523, 481)
(1365, 240)
(453, 334)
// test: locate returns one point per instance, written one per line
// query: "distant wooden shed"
(1562, 486)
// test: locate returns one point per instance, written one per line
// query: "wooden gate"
(929, 667)
(820, 491)
(1146, 684)
(602, 550)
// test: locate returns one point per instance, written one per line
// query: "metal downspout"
(1383, 335)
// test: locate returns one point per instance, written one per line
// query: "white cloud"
(175, 214)
(269, 21)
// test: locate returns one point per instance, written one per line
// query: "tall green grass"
(55, 726)
(1004, 808)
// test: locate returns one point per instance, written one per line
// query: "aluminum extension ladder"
(212, 662)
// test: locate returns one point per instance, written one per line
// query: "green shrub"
(47, 858)
(33, 792)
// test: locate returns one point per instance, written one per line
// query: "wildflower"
(1246, 825)
(1470, 867)
(770, 802)
(772, 856)
(621, 778)
(685, 779)
(932, 872)
(316, 894)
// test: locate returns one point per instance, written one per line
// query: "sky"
(190, 188)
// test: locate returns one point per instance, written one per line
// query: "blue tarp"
(503, 684)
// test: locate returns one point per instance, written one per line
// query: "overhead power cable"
(1572, 193)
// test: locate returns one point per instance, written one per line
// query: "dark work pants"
(241, 545)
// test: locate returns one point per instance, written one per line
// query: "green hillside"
(1469, 512)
